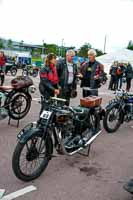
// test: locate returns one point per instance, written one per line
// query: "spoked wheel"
(30, 158)
(13, 71)
(35, 73)
(113, 119)
(19, 106)
(25, 72)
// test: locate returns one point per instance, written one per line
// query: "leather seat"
(6, 87)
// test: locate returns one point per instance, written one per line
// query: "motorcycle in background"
(67, 129)
(30, 70)
(118, 111)
(15, 100)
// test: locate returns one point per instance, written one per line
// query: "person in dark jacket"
(129, 76)
(2, 67)
(120, 73)
(91, 75)
(113, 73)
(67, 72)
(49, 78)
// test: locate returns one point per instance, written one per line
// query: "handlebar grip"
(58, 99)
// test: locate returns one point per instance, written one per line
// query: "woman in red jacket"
(2, 67)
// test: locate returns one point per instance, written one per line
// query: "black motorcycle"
(11, 68)
(30, 71)
(15, 101)
(118, 111)
(68, 129)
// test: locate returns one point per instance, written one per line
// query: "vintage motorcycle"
(29, 70)
(118, 111)
(15, 100)
(68, 129)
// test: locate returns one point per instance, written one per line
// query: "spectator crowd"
(120, 73)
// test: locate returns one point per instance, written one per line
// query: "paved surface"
(99, 177)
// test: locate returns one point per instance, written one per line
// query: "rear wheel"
(31, 158)
(13, 71)
(19, 106)
(35, 73)
(113, 119)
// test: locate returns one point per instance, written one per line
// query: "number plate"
(45, 114)
(19, 136)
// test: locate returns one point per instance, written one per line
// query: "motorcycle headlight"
(32, 89)
(119, 94)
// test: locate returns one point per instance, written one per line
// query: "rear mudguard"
(111, 105)
(24, 136)
(13, 92)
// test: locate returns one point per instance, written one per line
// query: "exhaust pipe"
(81, 148)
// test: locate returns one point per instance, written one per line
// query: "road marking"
(19, 193)
(131, 126)
(2, 192)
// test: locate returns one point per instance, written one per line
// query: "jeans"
(113, 83)
(128, 80)
(119, 82)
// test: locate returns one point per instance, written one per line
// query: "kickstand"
(86, 154)
(9, 122)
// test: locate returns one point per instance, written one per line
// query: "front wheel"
(31, 158)
(25, 72)
(113, 118)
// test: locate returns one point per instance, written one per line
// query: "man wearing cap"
(91, 75)
(67, 73)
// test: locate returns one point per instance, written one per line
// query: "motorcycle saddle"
(4, 88)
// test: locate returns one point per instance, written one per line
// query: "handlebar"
(59, 99)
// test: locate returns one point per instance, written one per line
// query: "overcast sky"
(77, 21)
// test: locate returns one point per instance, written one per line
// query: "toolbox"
(91, 101)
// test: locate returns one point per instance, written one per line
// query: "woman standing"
(129, 76)
(49, 78)
(2, 67)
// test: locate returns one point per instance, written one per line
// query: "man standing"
(113, 73)
(91, 75)
(67, 73)
(2, 67)
(129, 76)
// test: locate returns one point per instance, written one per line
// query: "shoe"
(129, 186)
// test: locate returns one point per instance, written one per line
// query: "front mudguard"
(26, 134)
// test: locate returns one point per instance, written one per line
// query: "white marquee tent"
(123, 55)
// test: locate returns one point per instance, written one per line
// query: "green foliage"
(1, 44)
(99, 52)
(10, 44)
(130, 45)
(83, 52)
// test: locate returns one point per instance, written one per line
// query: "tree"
(1, 44)
(130, 45)
(10, 44)
(83, 52)
(99, 52)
